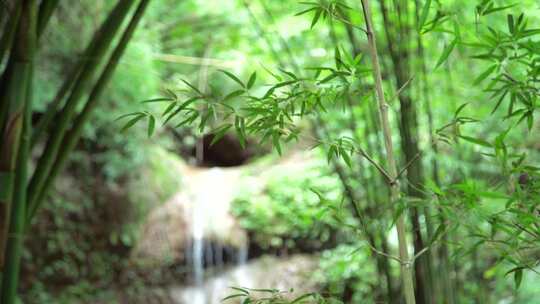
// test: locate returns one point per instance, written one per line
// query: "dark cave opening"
(226, 152)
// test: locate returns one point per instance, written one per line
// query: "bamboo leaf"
(127, 115)
(306, 11)
(251, 80)
(233, 77)
(233, 296)
(424, 15)
(160, 99)
(151, 125)
(191, 86)
(518, 276)
(446, 52)
(347, 158)
(496, 9)
(337, 57)
(316, 17)
(275, 142)
(510, 22)
(302, 297)
(477, 141)
(484, 74)
(459, 109)
(133, 121)
(169, 108)
(233, 94)
(219, 133)
(499, 102)
(243, 290)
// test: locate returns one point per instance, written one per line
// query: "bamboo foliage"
(322, 134)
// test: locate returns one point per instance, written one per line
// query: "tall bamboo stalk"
(46, 9)
(101, 43)
(398, 34)
(45, 121)
(72, 137)
(13, 100)
(406, 271)
(6, 41)
(10, 30)
(443, 279)
(20, 87)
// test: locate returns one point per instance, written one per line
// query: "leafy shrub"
(285, 212)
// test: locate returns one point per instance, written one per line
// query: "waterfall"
(211, 192)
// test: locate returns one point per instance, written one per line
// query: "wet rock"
(266, 273)
(199, 214)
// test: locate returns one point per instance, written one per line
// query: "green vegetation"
(397, 140)
(280, 216)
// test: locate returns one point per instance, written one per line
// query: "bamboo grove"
(403, 163)
(59, 129)
(427, 212)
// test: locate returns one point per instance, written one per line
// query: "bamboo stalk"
(13, 99)
(406, 271)
(398, 39)
(46, 9)
(443, 280)
(6, 42)
(72, 137)
(101, 42)
(9, 32)
(21, 88)
(45, 121)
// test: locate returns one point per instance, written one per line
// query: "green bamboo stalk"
(101, 42)
(23, 56)
(72, 137)
(9, 33)
(376, 237)
(398, 30)
(45, 121)
(443, 279)
(12, 99)
(377, 197)
(6, 42)
(46, 9)
(406, 271)
(45, 12)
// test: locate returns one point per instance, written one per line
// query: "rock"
(200, 213)
(166, 233)
(263, 273)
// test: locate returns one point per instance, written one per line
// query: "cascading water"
(217, 252)
(211, 192)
